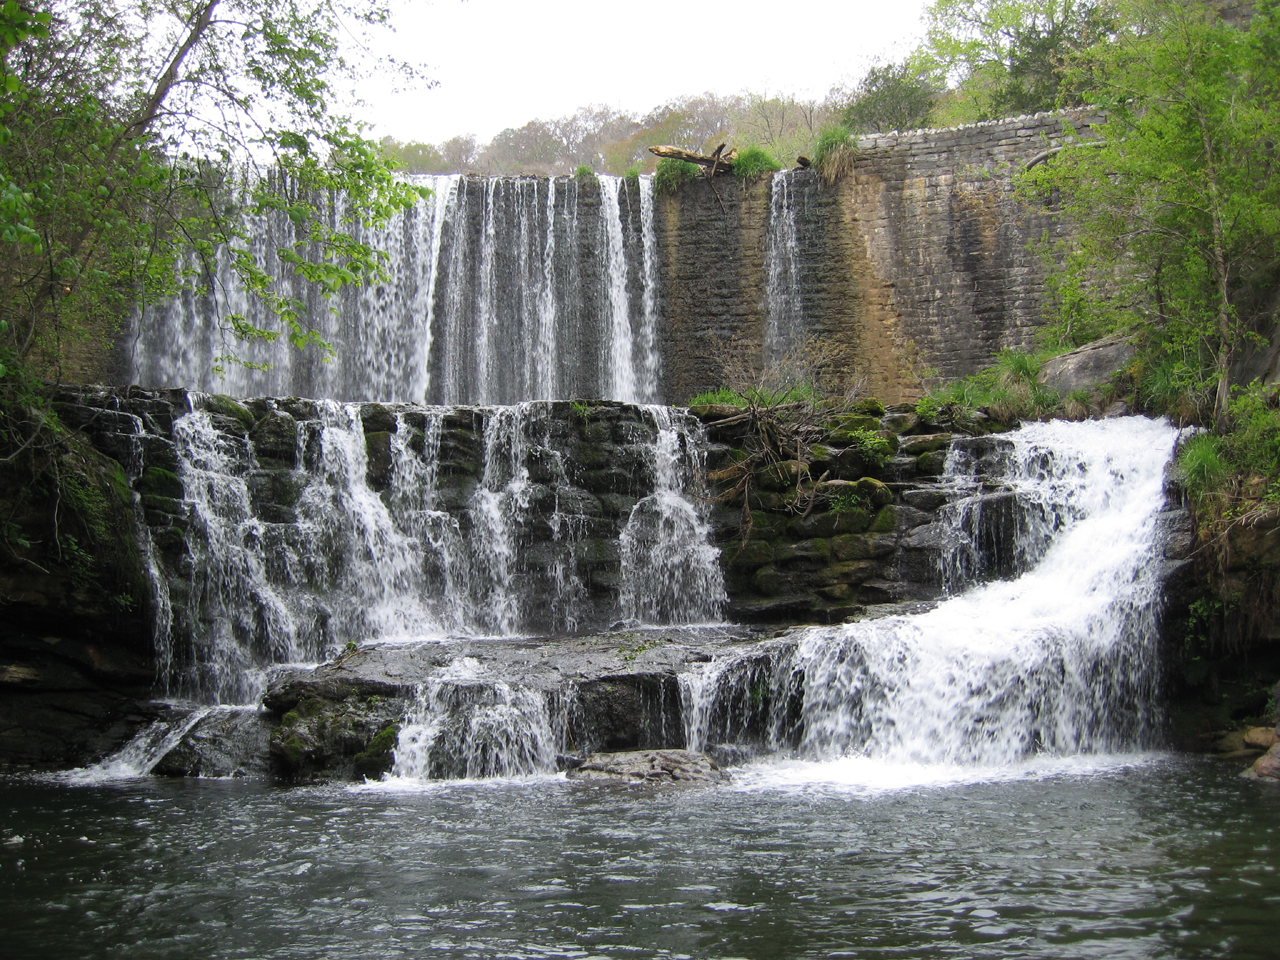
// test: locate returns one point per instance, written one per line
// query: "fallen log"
(714, 162)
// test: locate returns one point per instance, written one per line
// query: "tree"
(890, 97)
(1004, 57)
(143, 131)
(1176, 198)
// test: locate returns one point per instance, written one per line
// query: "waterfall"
(1058, 659)
(671, 573)
(464, 724)
(371, 523)
(785, 317)
(500, 290)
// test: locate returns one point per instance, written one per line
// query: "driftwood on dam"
(716, 162)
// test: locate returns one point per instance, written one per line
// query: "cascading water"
(501, 290)
(367, 538)
(463, 723)
(671, 573)
(1060, 659)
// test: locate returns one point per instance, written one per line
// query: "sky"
(501, 63)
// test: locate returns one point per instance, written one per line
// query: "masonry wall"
(918, 264)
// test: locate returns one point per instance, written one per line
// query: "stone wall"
(918, 263)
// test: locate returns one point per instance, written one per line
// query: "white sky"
(502, 63)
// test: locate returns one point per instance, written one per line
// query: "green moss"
(290, 719)
(765, 526)
(747, 555)
(312, 707)
(885, 522)
(230, 407)
(160, 481)
(873, 492)
(870, 406)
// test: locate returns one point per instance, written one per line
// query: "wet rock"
(650, 766)
(225, 743)
(1267, 766)
(1263, 738)
(923, 443)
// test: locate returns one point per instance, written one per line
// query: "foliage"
(721, 396)
(890, 97)
(672, 174)
(790, 407)
(584, 172)
(1005, 57)
(754, 161)
(414, 157)
(1176, 194)
(1200, 465)
(834, 153)
(129, 123)
(1008, 391)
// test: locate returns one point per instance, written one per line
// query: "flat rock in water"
(650, 766)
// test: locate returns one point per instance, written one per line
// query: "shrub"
(672, 174)
(633, 173)
(1201, 467)
(584, 172)
(834, 153)
(754, 161)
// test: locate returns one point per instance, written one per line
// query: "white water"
(785, 315)
(487, 277)
(671, 572)
(139, 756)
(347, 563)
(465, 724)
(1059, 661)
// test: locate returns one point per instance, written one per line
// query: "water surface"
(1149, 856)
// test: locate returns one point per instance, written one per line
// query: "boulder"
(1087, 367)
(650, 766)
(1267, 766)
(1262, 738)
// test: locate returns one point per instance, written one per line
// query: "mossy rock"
(769, 581)
(886, 521)
(766, 526)
(873, 491)
(227, 406)
(377, 418)
(932, 464)
(782, 476)
(166, 506)
(275, 437)
(901, 422)
(818, 549)
(596, 552)
(161, 482)
(870, 407)
(616, 504)
(379, 756)
(847, 426)
(856, 546)
(830, 523)
(747, 555)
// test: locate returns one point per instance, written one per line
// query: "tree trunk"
(716, 162)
